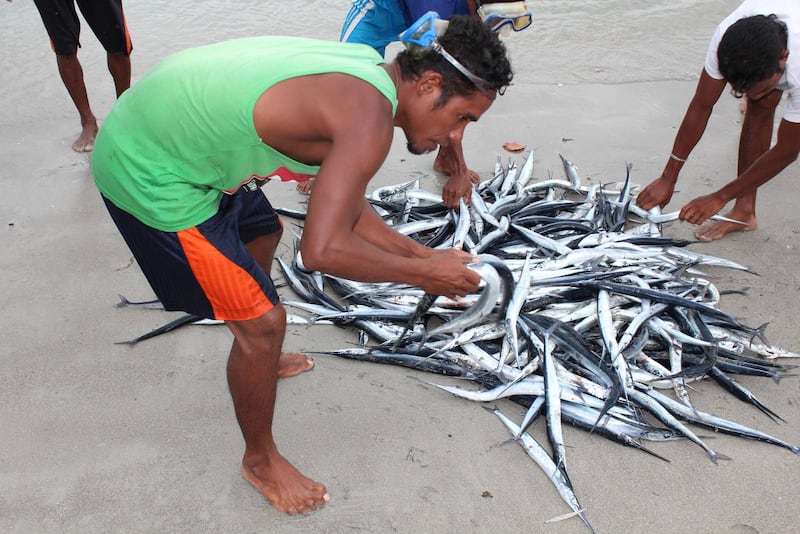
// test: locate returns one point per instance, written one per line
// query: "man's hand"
(458, 186)
(658, 193)
(701, 208)
(446, 274)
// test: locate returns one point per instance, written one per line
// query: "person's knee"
(67, 59)
(119, 57)
(260, 332)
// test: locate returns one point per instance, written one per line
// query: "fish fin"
(759, 333)
(719, 456)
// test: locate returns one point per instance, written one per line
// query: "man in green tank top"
(180, 158)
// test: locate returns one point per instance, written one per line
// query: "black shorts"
(207, 270)
(105, 18)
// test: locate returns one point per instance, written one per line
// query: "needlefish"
(588, 316)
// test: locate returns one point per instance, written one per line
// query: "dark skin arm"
(707, 93)
(765, 168)
(345, 125)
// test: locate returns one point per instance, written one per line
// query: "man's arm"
(347, 125)
(365, 248)
(765, 168)
(373, 229)
(708, 91)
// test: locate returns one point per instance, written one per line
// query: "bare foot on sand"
(284, 486)
(444, 164)
(304, 188)
(293, 363)
(474, 177)
(712, 230)
(85, 141)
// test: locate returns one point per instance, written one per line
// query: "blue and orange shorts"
(105, 18)
(207, 270)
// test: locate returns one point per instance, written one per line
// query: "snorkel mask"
(422, 35)
(504, 16)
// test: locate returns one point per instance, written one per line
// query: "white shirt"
(787, 11)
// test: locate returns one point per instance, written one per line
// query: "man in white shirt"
(756, 50)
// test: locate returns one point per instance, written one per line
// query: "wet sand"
(101, 437)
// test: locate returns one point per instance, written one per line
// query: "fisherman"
(756, 49)
(107, 21)
(378, 23)
(180, 159)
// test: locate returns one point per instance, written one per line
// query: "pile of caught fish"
(586, 314)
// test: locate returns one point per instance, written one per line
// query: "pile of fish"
(586, 314)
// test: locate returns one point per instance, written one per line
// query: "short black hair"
(749, 51)
(473, 45)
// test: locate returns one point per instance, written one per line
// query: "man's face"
(427, 127)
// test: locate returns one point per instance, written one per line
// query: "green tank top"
(183, 135)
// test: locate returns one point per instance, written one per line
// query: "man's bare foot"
(713, 230)
(85, 141)
(284, 486)
(304, 188)
(293, 363)
(443, 163)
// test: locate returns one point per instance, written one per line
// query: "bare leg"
(263, 251)
(119, 65)
(755, 140)
(449, 163)
(72, 75)
(252, 378)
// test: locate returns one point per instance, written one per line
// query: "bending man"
(756, 50)
(181, 156)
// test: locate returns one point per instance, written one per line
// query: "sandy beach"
(99, 437)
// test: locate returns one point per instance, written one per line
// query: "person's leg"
(72, 75)
(206, 270)
(252, 378)
(756, 138)
(107, 20)
(119, 65)
(256, 362)
(63, 27)
(263, 251)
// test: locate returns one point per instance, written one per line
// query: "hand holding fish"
(657, 193)
(446, 274)
(701, 208)
(459, 186)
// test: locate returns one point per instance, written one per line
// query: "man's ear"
(784, 54)
(428, 82)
